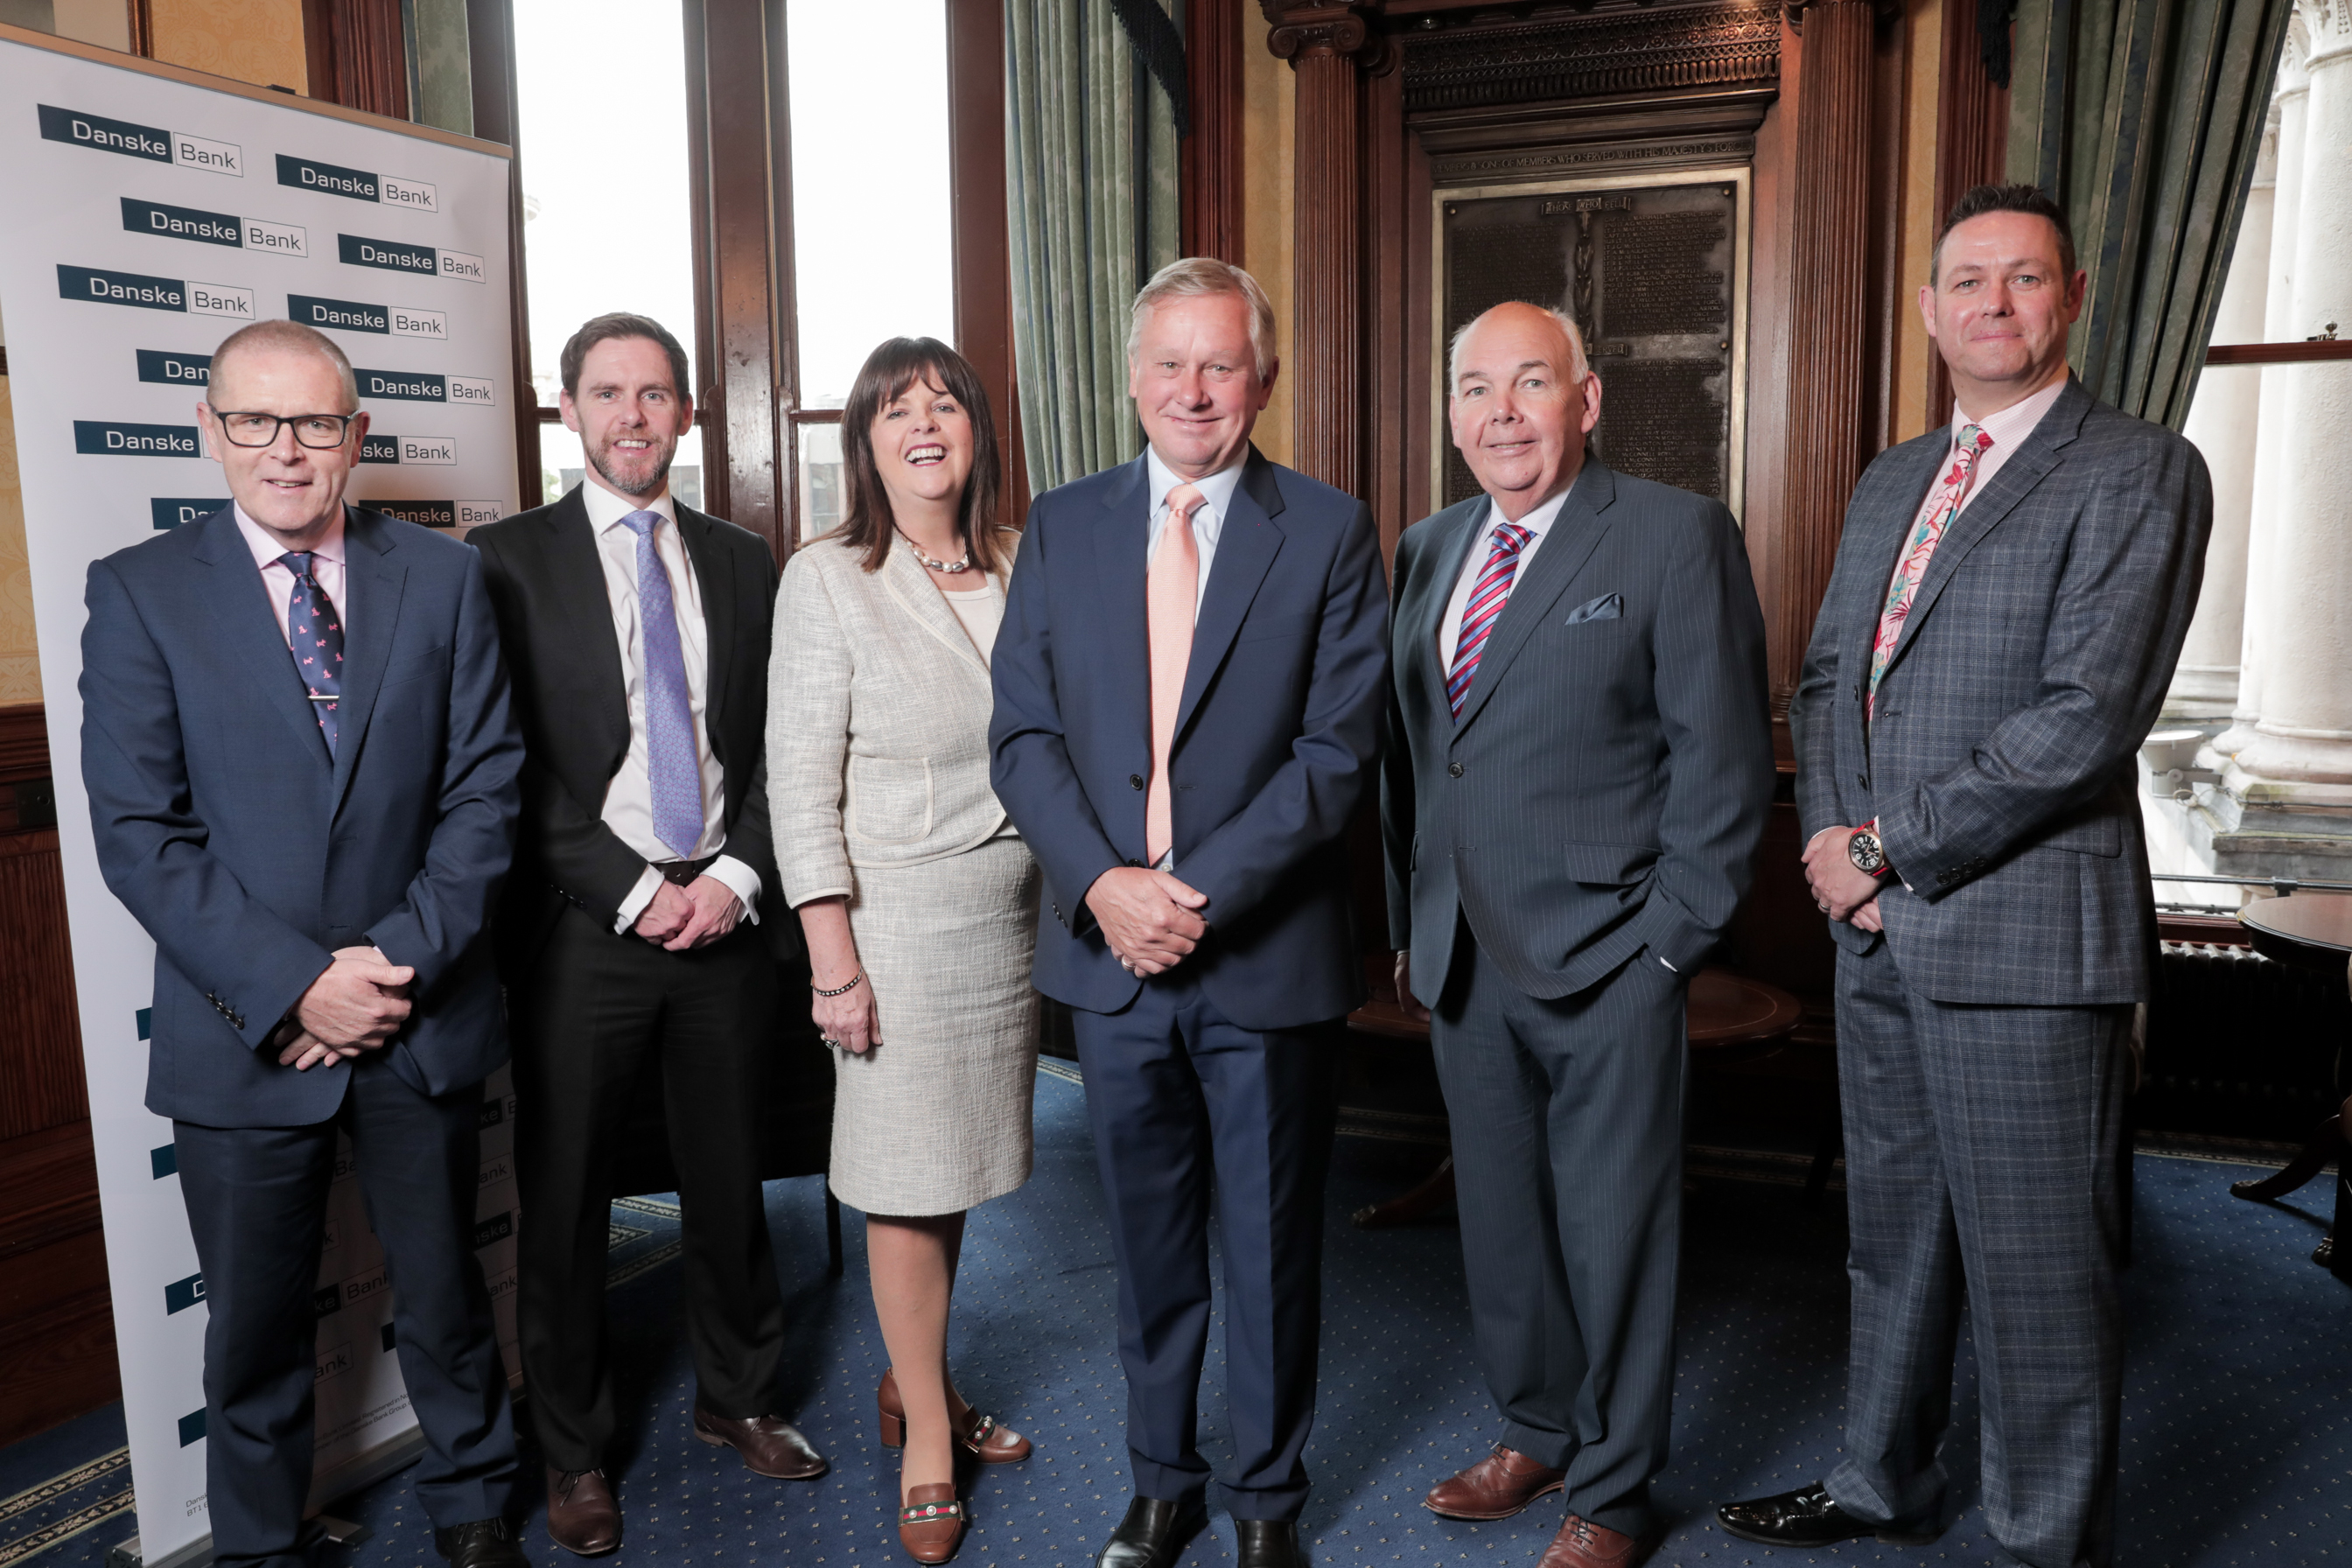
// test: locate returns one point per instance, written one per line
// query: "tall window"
(607, 223)
(873, 234)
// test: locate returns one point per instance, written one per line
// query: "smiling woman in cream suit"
(917, 897)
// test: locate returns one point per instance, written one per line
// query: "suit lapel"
(1247, 542)
(2033, 458)
(576, 588)
(1447, 553)
(1569, 543)
(240, 606)
(715, 586)
(911, 589)
(374, 581)
(1121, 542)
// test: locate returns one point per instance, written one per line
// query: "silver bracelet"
(840, 990)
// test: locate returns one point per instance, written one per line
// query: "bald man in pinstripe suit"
(1579, 767)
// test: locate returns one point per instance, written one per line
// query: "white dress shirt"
(277, 578)
(1538, 523)
(1208, 517)
(629, 799)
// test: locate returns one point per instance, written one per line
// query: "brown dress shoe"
(994, 1444)
(770, 1445)
(1496, 1486)
(1582, 1543)
(581, 1517)
(930, 1525)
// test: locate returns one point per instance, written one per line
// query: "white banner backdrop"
(151, 212)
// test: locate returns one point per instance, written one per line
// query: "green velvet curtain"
(2143, 118)
(1090, 153)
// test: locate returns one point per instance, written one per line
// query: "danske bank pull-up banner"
(151, 212)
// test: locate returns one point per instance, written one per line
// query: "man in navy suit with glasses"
(304, 781)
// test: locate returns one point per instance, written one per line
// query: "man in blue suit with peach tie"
(302, 780)
(1190, 679)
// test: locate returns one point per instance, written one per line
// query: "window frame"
(745, 337)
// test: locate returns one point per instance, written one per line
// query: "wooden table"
(1727, 1017)
(2311, 931)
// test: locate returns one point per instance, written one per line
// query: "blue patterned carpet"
(2237, 1416)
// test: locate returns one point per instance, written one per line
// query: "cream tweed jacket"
(877, 723)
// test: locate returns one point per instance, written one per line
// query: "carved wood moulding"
(1730, 43)
(1542, 163)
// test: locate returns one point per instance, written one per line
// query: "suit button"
(1454, 768)
(1862, 779)
(1135, 781)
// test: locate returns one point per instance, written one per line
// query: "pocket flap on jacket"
(2099, 836)
(1614, 865)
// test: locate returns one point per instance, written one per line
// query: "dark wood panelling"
(1657, 48)
(1214, 42)
(56, 1327)
(57, 1335)
(1830, 267)
(24, 742)
(983, 262)
(1971, 146)
(1328, 48)
(40, 1060)
(735, 62)
(51, 1180)
(489, 39)
(357, 55)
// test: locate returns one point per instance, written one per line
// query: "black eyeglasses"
(321, 432)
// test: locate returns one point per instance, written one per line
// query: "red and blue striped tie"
(1487, 599)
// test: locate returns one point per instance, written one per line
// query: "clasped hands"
(1842, 890)
(693, 916)
(357, 1005)
(1150, 919)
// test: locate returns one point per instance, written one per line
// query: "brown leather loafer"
(581, 1517)
(1582, 1543)
(930, 1525)
(770, 1444)
(994, 1445)
(1496, 1486)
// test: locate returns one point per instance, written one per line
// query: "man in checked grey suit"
(1579, 766)
(2010, 596)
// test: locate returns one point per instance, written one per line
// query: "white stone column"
(2292, 100)
(2302, 750)
(2222, 422)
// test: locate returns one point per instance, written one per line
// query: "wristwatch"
(1868, 855)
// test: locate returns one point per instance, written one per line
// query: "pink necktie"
(1487, 597)
(1919, 549)
(1171, 593)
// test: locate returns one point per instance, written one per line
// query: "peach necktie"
(1171, 595)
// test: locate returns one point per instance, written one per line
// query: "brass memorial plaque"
(1654, 271)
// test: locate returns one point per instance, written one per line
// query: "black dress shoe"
(480, 1544)
(1152, 1535)
(1268, 1543)
(1811, 1517)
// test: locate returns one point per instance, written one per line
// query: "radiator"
(2241, 1047)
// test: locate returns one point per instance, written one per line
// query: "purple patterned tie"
(314, 635)
(1487, 597)
(671, 766)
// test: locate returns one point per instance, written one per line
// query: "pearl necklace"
(963, 564)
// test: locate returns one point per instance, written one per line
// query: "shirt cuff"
(635, 904)
(741, 881)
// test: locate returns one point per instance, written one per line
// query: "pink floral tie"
(1926, 534)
